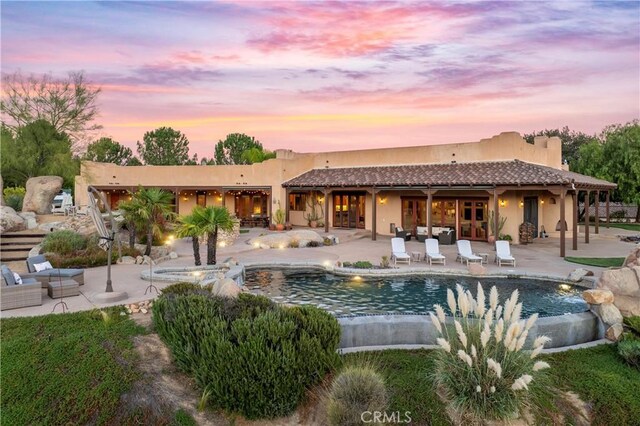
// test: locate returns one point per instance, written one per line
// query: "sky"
(324, 76)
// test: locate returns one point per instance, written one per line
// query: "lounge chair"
(53, 274)
(401, 233)
(503, 254)
(465, 254)
(398, 251)
(13, 295)
(67, 201)
(432, 252)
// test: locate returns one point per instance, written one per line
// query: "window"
(298, 202)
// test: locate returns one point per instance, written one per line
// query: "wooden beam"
(286, 205)
(607, 208)
(326, 209)
(224, 197)
(496, 212)
(562, 222)
(374, 204)
(429, 215)
(597, 206)
(177, 192)
(586, 217)
(574, 246)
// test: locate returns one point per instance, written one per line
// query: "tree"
(106, 150)
(188, 227)
(210, 220)
(151, 207)
(571, 141)
(36, 149)
(70, 105)
(239, 148)
(164, 147)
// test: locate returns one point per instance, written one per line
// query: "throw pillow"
(42, 266)
(17, 278)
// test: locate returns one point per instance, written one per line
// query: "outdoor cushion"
(9, 279)
(59, 272)
(17, 278)
(42, 266)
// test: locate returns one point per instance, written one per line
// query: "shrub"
(13, 197)
(314, 244)
(505, 237)
(384, 263)
(327, 241)
(362, 264)
(294, 244)
(633, 324)
(64, 242)
(357, 389)
(481, 365)
(255, 358)
(629, 350)
(184, 288)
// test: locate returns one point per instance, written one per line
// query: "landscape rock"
(173, 255)
(156, 251)
(578, 274)
(10, 220)
(284, 239)
(477, 269)
(127, 260)
(80, 224)
(614, 332)
(30, 220)
(623, 281)
(629, 305)
(146, 260)
(608, 313)
(633, 259)
(40, 193)
(139, 260)
(597, 297)
(226, 288)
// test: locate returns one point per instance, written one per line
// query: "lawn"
(601, 379)
(603, 262)
(627, 226)
(69, 369)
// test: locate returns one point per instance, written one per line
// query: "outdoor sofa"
(53, 274)
(13, 295)
(444, 234)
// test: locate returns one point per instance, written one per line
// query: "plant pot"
(491, 239)
(280, 227)
(272, 227)
(313, 224)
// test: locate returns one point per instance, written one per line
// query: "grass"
(627, 226)
(597, 374)
(603, 262)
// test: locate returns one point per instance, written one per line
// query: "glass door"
(349, 210)
(473, 219)
(414, 214)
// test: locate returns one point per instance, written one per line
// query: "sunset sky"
(317, 76)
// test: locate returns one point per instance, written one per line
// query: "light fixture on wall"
(383, 199)
(541, 201)
(521, 203)
(503, 203)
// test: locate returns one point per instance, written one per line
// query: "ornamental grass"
(482, 367)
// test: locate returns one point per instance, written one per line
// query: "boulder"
(597, 297)
(127, 260)
(40, 193)
(284, 239)
(579, 274)
(30, 220)
(139, 260)
(146, 260)
(629, 305)
(608, 313)
(10, 220)
(226, 288)
(633, 259)
(614, 332)
(477, 269)
(623, 281)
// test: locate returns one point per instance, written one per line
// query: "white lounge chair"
(503, 254)
(67, 201)
(432, 252)
(398, 251)
(465, 254)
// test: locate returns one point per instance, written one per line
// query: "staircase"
(15, 246)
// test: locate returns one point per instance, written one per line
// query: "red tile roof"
(496, 173)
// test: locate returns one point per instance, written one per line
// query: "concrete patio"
(540, 258)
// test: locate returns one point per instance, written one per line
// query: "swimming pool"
(403, 295)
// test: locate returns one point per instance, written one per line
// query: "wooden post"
(177, 192)
(562, 222)
(326, 210)
(429, 214)
(496, 212)
(373, 214)
(224, 198)
(575, 221)
(597, 206)
(607, 208)
(286, 205)
(586, 217)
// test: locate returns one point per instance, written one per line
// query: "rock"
(579, 274)
(284, 239)
(173, 255)
(10, 220)
(608, 313)
(226, 288)
(633, 259)
(30, 220)
(629, 305)
(146, 260)
(614, 332)
(623, 281)
(40, 193)
(477, 269)
(139, 260)
(134, 306)
(127, 260)
(597, 297)
(144, 310)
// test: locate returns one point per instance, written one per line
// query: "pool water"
(405, 295)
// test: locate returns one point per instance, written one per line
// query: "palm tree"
(188, 227)
(209, 221)
(128, 209)
(151, 206)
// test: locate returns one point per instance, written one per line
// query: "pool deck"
(538, 259)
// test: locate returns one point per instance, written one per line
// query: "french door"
(349, 210)
(473, 219)
(414, 213)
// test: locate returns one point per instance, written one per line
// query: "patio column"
(224, 198)
(177, 192)
(374, 204)
(607, 208)
(496, 212)
(562, 222)
(429, 214)
(586, 217)
(326, 210)
(286, 205)
(597, 206)
(575, 221)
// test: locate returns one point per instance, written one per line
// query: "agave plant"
(482, 365)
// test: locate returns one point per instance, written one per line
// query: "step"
(14, 249)
(13, 258)
(24, 235)
(17, 243)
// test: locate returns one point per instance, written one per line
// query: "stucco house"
(454, 186)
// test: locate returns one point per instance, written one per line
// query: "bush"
(505, 237)
(254, 357)
(294, 244)
(64, 242)
(13, 197)
(384, 262)
(629, 350)
(185, 288)
(481, 365)
(633, 324)
(314, 244)
(357, 389)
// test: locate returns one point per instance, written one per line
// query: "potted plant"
(492, 226)
(315, 213)
(279, 217)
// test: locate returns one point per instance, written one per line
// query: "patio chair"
(432, 252)
(47, 275)
(401, 233)
(447, 236)
(67, 201)
(465, 254)
(503, 254)
(13, 295)
(398, 251)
